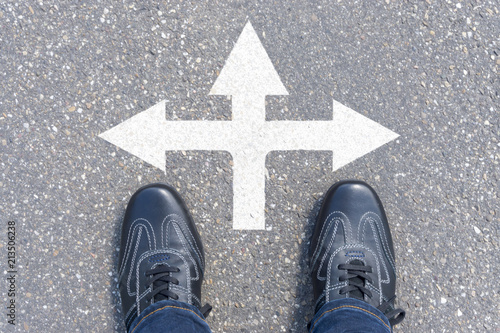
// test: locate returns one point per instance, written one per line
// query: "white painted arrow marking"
(248, 76)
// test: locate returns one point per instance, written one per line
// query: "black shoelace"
(160, 279)
(357, 276)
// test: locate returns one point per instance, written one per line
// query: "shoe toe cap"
(354, 198)
(155, 201)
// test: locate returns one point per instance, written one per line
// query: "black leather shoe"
(351, 250)
(161, 254)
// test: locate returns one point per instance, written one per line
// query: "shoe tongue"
(357, 280)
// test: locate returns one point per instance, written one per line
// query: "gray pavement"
(427, 70)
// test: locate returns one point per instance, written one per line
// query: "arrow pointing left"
(148, 135)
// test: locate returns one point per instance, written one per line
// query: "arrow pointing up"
(248, 77)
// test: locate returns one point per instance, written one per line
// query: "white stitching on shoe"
(385, 242)
(377, 229)
(188, 244)
(382, 234)
(327, 250)
(184, 240)
(135, 235)
(130, 241)
(325, 230)
(136, 229)
(191, 240)
(329, 271)
(327, 225)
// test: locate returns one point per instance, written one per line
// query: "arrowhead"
(141, 135)
(248, 70)
(356, 135)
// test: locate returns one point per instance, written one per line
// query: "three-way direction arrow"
(248, 76)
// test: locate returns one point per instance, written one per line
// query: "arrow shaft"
(242, 135)
(195, 135)
(249, 190)
(295, 135)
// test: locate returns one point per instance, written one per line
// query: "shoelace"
(160, 279)
(357, 277)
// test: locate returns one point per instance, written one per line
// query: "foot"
(161, 254)
(351, 251)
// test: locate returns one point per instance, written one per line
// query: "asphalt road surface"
(71, 70)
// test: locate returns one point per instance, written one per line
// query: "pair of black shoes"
(162, 258)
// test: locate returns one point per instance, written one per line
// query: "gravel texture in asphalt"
(427, 70)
